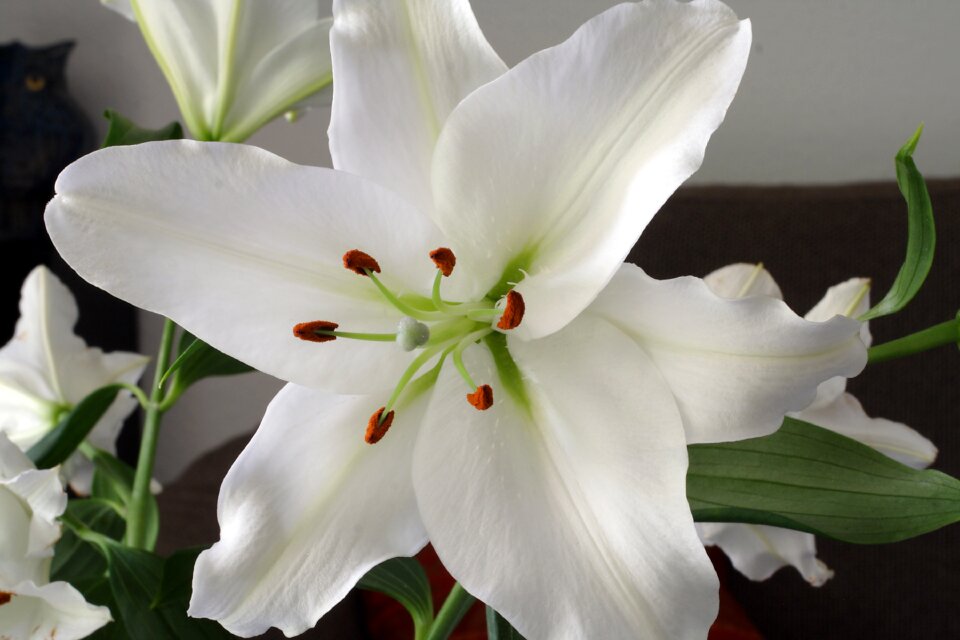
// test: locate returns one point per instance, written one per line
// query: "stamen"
(313, 331)
(360, 262)
(5, 597)
(444, 259)
(482, 398)
(401, 306)
(512, 311)
(377, 425)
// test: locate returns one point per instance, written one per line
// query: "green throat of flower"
(438, 329)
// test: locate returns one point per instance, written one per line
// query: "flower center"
(438, 329)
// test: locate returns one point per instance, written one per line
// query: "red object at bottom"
(387, 619)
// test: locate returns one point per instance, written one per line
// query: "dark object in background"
(42, 130)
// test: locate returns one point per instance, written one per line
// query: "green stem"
(936, 336)
(456, 605)
(137, 513)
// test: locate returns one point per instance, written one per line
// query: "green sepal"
(810, 479)
(72, 429)
(195, 361)
(921, 234)
(122, 132)
(498, 628)
(404, 580)
(113, 483)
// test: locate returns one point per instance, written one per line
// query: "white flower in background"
(562, 503)
(30, 605)
(757, 551)
(235, 65)
(45, 370)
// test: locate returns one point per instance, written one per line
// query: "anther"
(512, 311)
(444, 259)
(5, 597)
(360, 262)
(377, 425)
(482, 398)
(311, 331)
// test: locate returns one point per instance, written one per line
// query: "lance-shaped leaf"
(122, 131)
(198, 360)
(806, 478)
(500, 629)
(57, 445)
(921, 234)
(404, 580)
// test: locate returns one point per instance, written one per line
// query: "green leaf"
(198, 360)
(113, 483)
(498, 628)
(122, 132)
(921, 234)
(152, 595)
(807, 478)
(77, 561)
(404, 580)
(59, 443)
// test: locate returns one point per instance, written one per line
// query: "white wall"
(832, 89)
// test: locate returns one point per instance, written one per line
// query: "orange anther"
(376, 428)
(444, 259)
(512, 311)
(360, 262)
(5, 597)
(482, 398)
(310, 331)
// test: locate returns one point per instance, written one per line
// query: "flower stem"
(456, 605)
(137, 512)
(936, 336)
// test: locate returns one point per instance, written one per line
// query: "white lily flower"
(562, 504)
(46, 369)
(235, 65)
(31, 607)
(758, 551)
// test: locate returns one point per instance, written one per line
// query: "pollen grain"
(482, 398)
(512, 311)
(310, 331)
(360, 262)
(378, 425)
(444, 259)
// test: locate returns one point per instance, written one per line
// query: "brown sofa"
(809, 238)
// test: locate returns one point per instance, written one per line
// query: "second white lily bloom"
(46, 369)
(758, 551)
(31, 606)
(234, 65)
(563, 504)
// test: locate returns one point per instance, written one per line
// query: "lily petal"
(568, 514)
(401, 67)
(238, 245)
(735, 366)
(851, 299)
(579, 145)
(54, 610)
(305, 511)
(758, 551)
(741, 280)
(845, 415)
(42, 500)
